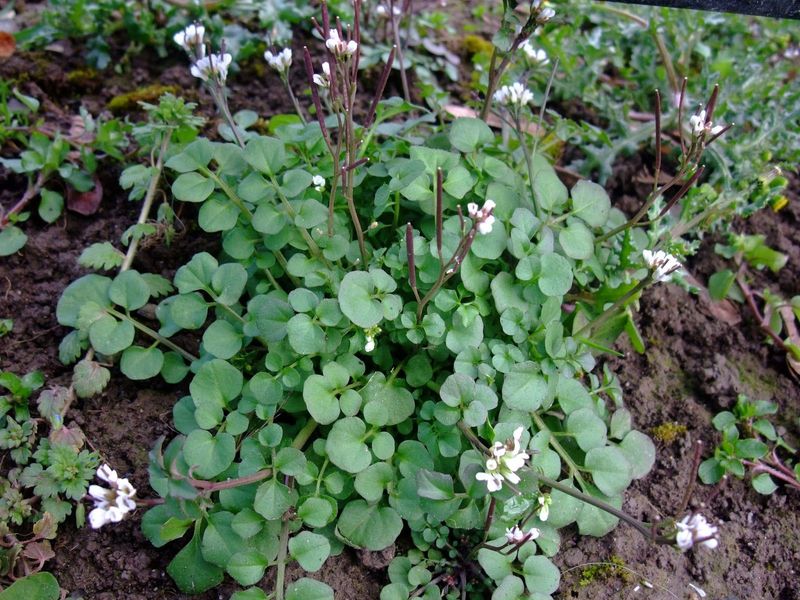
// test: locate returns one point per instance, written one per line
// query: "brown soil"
(695, 366)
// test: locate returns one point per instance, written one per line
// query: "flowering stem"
(293, 98)
(219, 96)
(147, 204)
(573, 468)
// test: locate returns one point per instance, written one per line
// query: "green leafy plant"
(750, 444)
(53, 159)
(49, 475)
(778, 318)
(406, 345)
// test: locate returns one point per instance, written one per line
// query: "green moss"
(668, 432)
(130, 100)
(613, 567)
(475, 44)
(83, 77)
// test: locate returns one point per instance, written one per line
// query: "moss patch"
(668, 432)
(613, 567)
(130, 100)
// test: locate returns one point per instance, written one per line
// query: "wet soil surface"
(695, 366)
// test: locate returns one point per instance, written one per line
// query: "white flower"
(546, 14)
(191, 38)
(370, 345)
(699, 126)
(214, 66)
(544, 504)
(324, 80)
(339, 47)
(694, 529)
(280, 61)
(662, 263)
(503, 462)
(536, 56)
(110, 505)
(483, 216)
(318, 181)
(515, 535)
(512, 95)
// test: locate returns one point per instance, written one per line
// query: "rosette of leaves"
(295, 442)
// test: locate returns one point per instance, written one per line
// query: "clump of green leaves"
(49, 474)
(349, 383)
(750, 444)
(58, 161)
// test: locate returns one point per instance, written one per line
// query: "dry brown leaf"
(85, 203)
(7, 44)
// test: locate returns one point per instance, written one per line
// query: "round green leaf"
(577, 241)
(640, 452)
(345, 445)
(139, 363)
(764, 484)
(317, 511)
(591, 203)
(188, 311)
(311, 550)
(247, 567)
(383, 445)
(589, 429)
(368, 525)
(610, 470)
(12, 239)
(541, 575)
(265, 154)
(192, 187)
(469, 134)
(556, 275)
(209, 454)
(109, 336)
(218, 213)
(216, 382)
(356, 299)
(308, 589)
(273, 499)
(524, 388)
(222, 339)
(89, 288)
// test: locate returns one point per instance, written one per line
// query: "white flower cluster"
(340, 48)
(483, 216)
(699, 126)
(545, 14)
(515, 535)
(504, 462)
(280, 61)
(110, 505)
(324, 80)
(535, 56)
(694, 529)
(318, 181)
(662, 263)
(191, 39)
(213, 66)
(513, 95)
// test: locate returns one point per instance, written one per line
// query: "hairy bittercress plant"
(363, 357)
